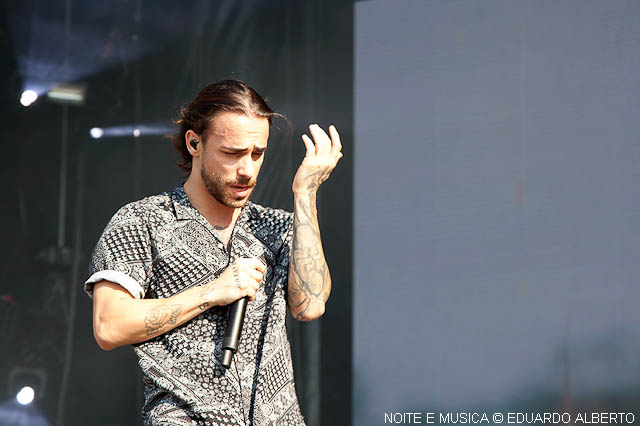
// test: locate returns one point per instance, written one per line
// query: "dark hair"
(222, 96)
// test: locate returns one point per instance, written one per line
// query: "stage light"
(28, 97)
(27, 384)
(26, 395)
(68, 93)
(128, 131)
(96, 132)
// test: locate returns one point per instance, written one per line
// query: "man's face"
(232, 156)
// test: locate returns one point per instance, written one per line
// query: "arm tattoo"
(316, 178)
(204, 306)
(310, 281)
(160, 316)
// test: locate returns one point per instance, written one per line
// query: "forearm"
(309, 283)
(122, 320)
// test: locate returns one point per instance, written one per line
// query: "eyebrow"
(232, 149)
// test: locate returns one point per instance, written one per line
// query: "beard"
(217, 188)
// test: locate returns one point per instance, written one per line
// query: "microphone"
(234, 328)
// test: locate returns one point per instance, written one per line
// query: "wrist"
(304, 193)
(209, 294)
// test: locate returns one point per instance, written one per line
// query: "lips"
(241, 189)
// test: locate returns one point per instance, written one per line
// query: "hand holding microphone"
(240, 282)
(242, 278)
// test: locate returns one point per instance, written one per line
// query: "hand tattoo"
(315, 179)
(161, 315)
(236, 276)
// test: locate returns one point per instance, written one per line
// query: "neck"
(216, 213)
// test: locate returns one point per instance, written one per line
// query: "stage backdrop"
(139, 61)
(496, 207)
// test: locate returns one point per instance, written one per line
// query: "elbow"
(104, 345)
(104, 336)
(310, 314)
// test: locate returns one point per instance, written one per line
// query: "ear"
(189, 138)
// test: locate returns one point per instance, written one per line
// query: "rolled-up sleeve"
(123, 254)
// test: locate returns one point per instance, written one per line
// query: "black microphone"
(234, 328)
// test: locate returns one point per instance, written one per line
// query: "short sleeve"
(284, 254)
(123, 254)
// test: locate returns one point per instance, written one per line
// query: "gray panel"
(496, 208)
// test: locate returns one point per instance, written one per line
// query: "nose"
(247, 167)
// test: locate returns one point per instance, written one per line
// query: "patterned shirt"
(161, 246)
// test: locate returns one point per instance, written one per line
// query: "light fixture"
(136, 131)
(96, 132)
(27, 384)
(28, 97)
(68, 93)
(26, 395)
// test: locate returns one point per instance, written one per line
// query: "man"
(166, 268)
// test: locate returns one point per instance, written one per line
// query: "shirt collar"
(181, 204)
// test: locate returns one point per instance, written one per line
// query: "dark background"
(140, 61)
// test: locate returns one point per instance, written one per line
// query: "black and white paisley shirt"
(162, 245)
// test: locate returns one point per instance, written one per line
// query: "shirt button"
(220, 246)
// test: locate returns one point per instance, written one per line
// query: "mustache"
(242, 182)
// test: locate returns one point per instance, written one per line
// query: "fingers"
(251, 290)
(311, 149)
(324, 145)
(252, 263)
(250, 272)
(255, 274)
(256, 263)
(336, 144)
(255, 277)
(244, 278)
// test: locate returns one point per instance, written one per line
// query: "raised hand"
(320, 160)
(309, 278)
